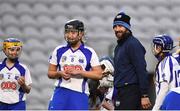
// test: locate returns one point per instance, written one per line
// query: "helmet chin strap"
(159, 57)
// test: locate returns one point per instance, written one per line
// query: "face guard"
(73, 30)
(156, 50)
(72, 36)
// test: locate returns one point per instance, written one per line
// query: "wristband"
(144, 96)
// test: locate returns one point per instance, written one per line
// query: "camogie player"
(15, 79)
(72, 64)
(167, 69)
(101, 93)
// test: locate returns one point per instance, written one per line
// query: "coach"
(130, 75)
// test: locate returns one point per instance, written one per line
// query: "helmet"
(165, 41)
(12, 43)
(107, 64)
(74, 24)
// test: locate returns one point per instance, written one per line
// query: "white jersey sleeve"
(160, 97)
(53, 57)
(28, 79)
(94, 60)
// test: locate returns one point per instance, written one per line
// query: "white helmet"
(107, 65)
(108, 68)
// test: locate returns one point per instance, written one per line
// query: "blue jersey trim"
(171, 69)
(84, 84)
(21, 69)
(88, 55)
(60, 81)
(21, 94)
(2, 65)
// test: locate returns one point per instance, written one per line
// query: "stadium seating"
(1, 32)
(27, 21)
(40, 9)
(40, 25)
(24, 9)
(13, 31)
(6, 8)
(9, 20)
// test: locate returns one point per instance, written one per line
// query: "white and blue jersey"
(172, 100)
(81, 59)
(177, 56)
(10, 90)
(168, 71)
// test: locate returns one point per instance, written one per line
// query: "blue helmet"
(165, 41)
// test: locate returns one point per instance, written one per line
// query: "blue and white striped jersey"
(10, 90)
(168, 70)
(81, 59)
(177, 56)
(172, 100)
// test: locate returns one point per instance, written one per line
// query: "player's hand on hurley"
(145, 103)
(21, 81)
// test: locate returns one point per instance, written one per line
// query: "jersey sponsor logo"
(16, 77)
(72, 67)
(8, 85)
(64, 58)
(81, 60)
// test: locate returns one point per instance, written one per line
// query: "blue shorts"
(66, 99)
(17, 106)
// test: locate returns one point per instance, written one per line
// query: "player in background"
(94, 100)
(72, 64)
(167, 69)
(107, 81)
(15, 79)
(172, 100)
(100, 88)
